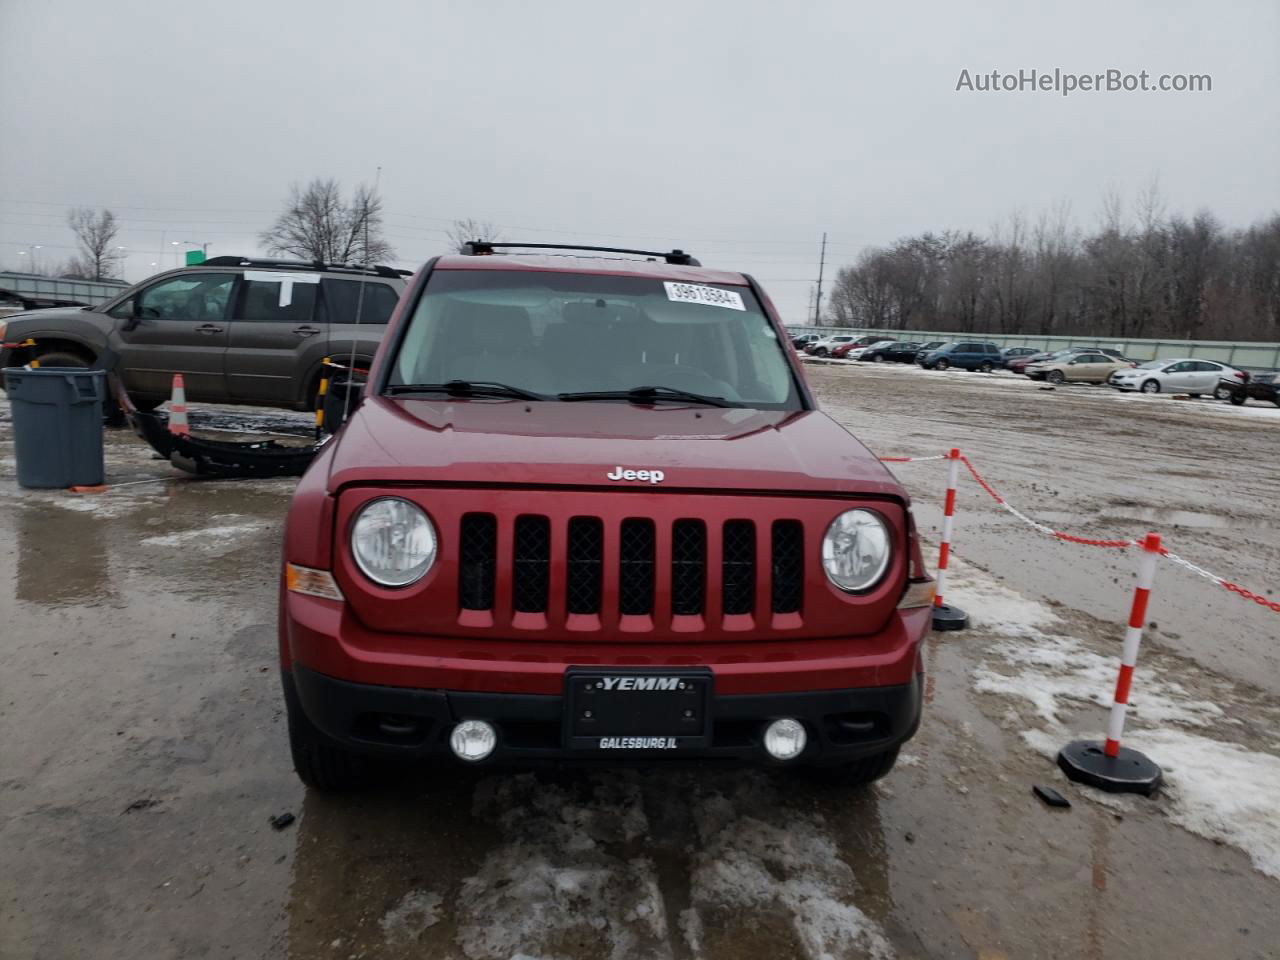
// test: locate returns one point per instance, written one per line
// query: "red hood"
(510, 442)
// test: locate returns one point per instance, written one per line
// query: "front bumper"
(842, 725)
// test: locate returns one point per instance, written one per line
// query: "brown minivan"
(239, 329)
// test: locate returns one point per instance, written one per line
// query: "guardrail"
(1242, 354)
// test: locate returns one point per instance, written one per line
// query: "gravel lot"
(142, 748)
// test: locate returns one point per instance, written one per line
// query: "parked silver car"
(1188, 375)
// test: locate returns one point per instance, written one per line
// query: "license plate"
(629, 711)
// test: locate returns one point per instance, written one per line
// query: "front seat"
(501, 349)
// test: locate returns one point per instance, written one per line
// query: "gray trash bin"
(57, 425)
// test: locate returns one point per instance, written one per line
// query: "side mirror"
(134, 316)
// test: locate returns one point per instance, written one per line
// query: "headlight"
(393, 542)
(855, 550)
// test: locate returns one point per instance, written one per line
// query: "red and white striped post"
(1132, 640)
(946, 617)
(1113, 767)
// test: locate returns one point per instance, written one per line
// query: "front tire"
(859, 773)
(1222, 393)
(1055, 377)
(877, 358)
(1151, 386)
(320, 763)
(820, 352)
(1239, 398)
(941, 365)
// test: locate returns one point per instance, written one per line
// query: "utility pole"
(817, 300)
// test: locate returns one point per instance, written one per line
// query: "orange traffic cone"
(178, 408)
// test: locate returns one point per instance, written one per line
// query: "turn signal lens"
(315, 583)
(919, 593)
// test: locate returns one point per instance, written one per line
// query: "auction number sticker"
(708, 296)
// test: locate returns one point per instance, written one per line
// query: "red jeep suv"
(587, 510)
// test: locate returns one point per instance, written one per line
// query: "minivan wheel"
(858, 773)
(112, 415)
(942, 364)
(1055, 376)
(320, 763)
(1151, 386)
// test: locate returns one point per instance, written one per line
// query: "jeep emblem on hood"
(652, 476)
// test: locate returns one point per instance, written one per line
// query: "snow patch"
(559, 875)
(1053, 669)
(98, 504)
(412, 915)
(571, 870)
(792, 866)
(1216, 789)
(1220, 791)
(208, 538)
(994, 607)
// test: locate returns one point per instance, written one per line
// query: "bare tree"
(1139, 273)
(99, 257)
(461, 232)
(317, 224)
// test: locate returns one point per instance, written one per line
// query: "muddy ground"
(142, 746)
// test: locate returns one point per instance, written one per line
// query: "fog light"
(785, 739)
(473, 740)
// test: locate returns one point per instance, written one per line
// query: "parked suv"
(587, 510)
(238, 330)
(967, 354)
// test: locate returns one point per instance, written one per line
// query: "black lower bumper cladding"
(842, 725)
(221, 458)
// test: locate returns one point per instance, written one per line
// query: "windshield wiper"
(648, 395)
(466, 388)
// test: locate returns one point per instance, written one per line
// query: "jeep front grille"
(585, 565)
(635, 567)
(689, 574)
(478, 555)
(788, 566)
(688, 567)
(738, 567)
(531, 565)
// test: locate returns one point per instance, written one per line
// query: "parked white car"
(857, 352)
(1195, 377)
(824, 346)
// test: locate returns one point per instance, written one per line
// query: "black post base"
(1131, 772)
(949, 618)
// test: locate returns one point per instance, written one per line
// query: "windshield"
(563, 333)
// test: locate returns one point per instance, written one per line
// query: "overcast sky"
(739, 131)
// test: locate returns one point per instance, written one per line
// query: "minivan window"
(193, 296)
(264, 301)
(559, 333)
(340, 301)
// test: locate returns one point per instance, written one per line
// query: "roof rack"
(312, 265)
(485, 248)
